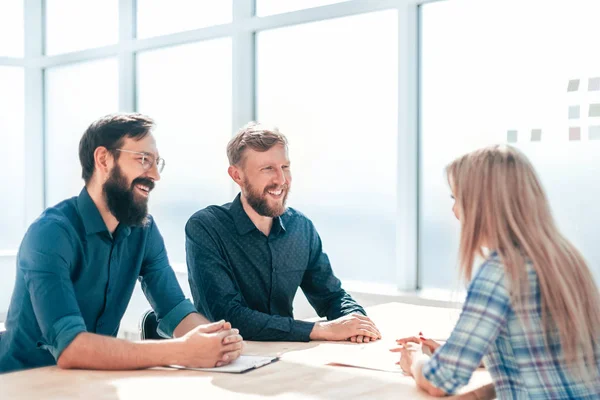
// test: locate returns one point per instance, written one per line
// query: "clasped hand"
(211, 345)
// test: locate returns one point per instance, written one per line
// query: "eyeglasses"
(147, 160)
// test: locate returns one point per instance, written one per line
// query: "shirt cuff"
(169, 322)
(360, 311)
(300, 331)
(434, 375)
(62, 334)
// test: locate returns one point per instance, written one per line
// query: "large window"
(342, 79)
(73, 25)
(192, 109)
(270, 7)
(522, 72)
(11, 28)
(12, 154)
(158, 17)
(76, 95)
(339, 110)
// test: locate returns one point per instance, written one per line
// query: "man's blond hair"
(255, 136)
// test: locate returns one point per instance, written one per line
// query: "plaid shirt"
(520, 364)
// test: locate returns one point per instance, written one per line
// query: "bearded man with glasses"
(79, 261)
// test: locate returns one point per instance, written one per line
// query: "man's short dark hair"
(110, 132)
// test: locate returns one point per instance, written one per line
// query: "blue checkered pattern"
(512, 348)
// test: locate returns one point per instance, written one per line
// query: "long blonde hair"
(503, 206)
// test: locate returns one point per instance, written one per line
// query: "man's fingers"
(227, 326)
(353, 339)
(360, 339)
(212, 327)
(373, 328)
(232, 347)
(366, 320)
(231, 356)
(232, 339)
(397, 349)
(366, 332)
(374, 332)
(225, 333)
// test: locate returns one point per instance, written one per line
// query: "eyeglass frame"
(159, 161)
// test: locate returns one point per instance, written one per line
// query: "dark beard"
(258, 201)
(121, 200)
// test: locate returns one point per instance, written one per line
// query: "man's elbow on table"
(65, 360)
(68, 357)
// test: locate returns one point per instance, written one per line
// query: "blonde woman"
(532, 312)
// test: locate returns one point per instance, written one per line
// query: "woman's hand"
(410, 351)
(412, 360)
(429, 345)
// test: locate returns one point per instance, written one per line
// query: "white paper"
(242, 364)
(369, 357)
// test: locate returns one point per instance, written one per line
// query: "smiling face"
(131, 180)
(265, 179)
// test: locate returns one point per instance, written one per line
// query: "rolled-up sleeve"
(161, 287)
(44, 260)
(170, 321)
(483, 315)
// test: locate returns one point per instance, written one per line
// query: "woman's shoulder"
(491, 268)
(490, 277)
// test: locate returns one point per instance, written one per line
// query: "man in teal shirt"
(78, 263)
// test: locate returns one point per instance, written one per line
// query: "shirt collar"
(244, 224)
(92, 220)
(279, 223)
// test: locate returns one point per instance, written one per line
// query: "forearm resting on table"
(486, 392)
(92, 351)
(421, 381)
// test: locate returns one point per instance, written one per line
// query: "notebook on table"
(242, 364)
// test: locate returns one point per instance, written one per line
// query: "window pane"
(192, 109)
(76, 95)
(12, 154)
(534, 87)
(342, 142)
(11, 28)
(73, 25)
(270, 7)
(158, 17)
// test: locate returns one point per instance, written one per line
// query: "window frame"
(242, 30)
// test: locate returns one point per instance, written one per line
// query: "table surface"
(304, 370)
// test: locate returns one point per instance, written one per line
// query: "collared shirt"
(514, 352)
(238, 274)
(73, 277)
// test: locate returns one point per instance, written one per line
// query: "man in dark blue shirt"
(246, 259)
(78, 263)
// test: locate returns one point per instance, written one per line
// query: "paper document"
(369, 357)
(242, 364)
